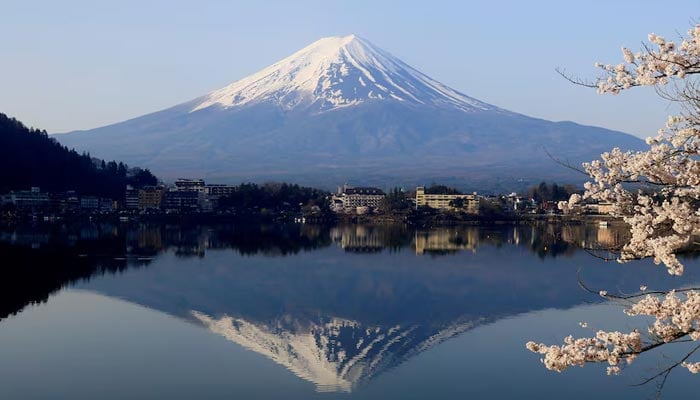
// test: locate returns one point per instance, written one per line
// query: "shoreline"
(423, 221)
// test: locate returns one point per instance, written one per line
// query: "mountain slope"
(335, 72)
(342, 109)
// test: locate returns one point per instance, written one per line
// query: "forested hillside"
(29, 157)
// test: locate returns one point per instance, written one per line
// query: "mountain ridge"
(341, 109)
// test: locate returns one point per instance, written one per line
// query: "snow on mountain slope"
(339, 72)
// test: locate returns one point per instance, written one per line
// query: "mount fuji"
(342, 109)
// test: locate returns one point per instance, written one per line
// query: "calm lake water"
(300, 311)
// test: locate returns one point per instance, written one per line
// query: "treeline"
(550, 192)
(441, 189)
(274, 197)
(396, 200)
(29, 157)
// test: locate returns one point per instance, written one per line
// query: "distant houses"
(33, 199)
(363, 200)
(36, 201)
(187, 196)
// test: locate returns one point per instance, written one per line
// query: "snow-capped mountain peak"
(336, 72)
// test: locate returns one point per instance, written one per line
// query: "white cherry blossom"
(657, 193)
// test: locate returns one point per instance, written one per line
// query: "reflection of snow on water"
(335, 355)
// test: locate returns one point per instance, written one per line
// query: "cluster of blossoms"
(657, 193)
(665, 217)
(610, 347)
(653, 67)
(676, 317)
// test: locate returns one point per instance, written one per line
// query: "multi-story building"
(182, 200)
(220, 190)
(107, 205)
(131, 198)
(89, 203)
(349, 199)
(33, 199)
(600, 208)
(150, 197)
(65, 202)
(195, 185)
(469, 202)
(214, 193)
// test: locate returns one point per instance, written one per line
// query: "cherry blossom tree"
(657, 193)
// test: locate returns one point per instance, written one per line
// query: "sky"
(74, 65)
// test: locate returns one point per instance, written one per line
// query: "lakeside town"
(289, 202)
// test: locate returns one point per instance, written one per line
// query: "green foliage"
(457, 203)
(29, 157)
(553, 192)
(492, 208)
(396, 201)
(275, 197)
(441, 189)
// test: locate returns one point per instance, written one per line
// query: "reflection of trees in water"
(30, 275)
(271, 240)
(39, 261)
(193, 241)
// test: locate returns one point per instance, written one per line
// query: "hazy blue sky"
(81, 64)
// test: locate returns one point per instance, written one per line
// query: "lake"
(301, 311)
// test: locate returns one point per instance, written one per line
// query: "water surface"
(304, 311)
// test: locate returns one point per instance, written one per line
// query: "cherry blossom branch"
(657, 193)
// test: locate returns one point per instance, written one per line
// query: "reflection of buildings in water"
(611, 238)
(574, 234)
(515, 236)
(357, 238)
(192, 242)
(35, 240)
(590, 236)
(150, 237)
(336, 354)
(445, 239)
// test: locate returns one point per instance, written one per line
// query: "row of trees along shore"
(275, 197)
(29, 157)
(657, 193)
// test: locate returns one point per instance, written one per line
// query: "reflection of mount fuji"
(335, 354)
(340, 316)
(337, 306)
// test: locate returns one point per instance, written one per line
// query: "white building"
(27, 199)
(349, 198)
(470, 202)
